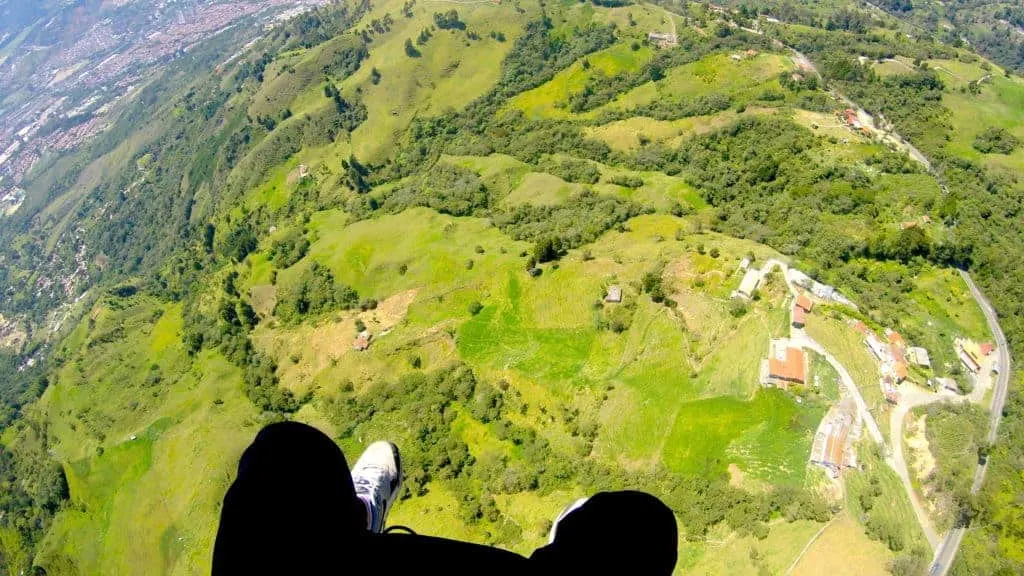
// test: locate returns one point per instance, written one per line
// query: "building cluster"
(973, 355)
(801, 308)
(834, 446)
(891, 353)
(819, 290)
(662, 39)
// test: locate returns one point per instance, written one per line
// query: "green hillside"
(467, 182)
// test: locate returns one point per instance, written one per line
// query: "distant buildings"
(662, 39)
(819, 290)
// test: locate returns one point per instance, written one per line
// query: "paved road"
(947, 550)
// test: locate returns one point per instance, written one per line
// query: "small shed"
(919, 356)
(614, 294)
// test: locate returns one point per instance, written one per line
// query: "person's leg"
(291, 506)
(612, 533)
(294, 509)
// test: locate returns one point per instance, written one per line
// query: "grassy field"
(170, 452)
(1000, 104)
(890, 512)
(550, 99)
(747, 555)
(715, 74)
(844, 550)
(848, 347)
(451, 71)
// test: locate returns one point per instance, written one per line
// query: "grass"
(843, 549)
(824, 378)
(176, 468)
(450, 73)
(541, 189)
(891, 507)
(769, 437)
(550, 99)
(747, 555)
(847, 345)
(715, 74)
(1000, 104)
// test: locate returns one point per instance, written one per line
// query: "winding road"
(947, 550)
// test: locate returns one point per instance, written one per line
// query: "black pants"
(293, 510)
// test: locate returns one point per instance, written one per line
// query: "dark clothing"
(293, 510)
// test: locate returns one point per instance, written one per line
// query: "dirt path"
(810, 543)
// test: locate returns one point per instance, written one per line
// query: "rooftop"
(787, 364)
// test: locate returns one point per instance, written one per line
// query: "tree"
(475, 307)
(411, 50)
(547, 249)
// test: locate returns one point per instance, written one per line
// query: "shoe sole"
(401, 476)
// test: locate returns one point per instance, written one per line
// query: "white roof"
(749, 283)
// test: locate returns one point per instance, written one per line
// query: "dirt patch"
(263, 298)
(736, 476)
(389, 312)
(922, 460)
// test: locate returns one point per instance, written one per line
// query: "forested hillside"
(467, 185)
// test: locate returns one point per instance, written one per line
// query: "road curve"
(951, 545)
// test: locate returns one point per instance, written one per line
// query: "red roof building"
(986, 348)
(860, 327)
(804, 303)
(790, 368)
(799, 316)
(895, 338)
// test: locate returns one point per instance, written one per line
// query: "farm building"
(833, 446)
(749, 284)
(744, 264)
(662, 39)
(785, 365)
(362, 341)
(614, 294)
(919, 356)
(971, 354)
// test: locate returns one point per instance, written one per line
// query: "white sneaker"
(568, 510)
(377, 477)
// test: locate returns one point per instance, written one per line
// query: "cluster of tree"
(577, 222)
(351, 115)
(449, 20)
(289, 249)
(314, 292)
(672, 107)
(850, 20)
(447, 188)
(995, 141)
(34, 489)
(956, 435)
(601, 89)
(573, 170)
(627, 181)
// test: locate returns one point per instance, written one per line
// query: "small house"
(948, 384)
(786, 365)
(362, 341)
(799, 316)
(919, 356)
(614, 294)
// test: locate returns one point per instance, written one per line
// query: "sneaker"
(568, 510)
(377, 477)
